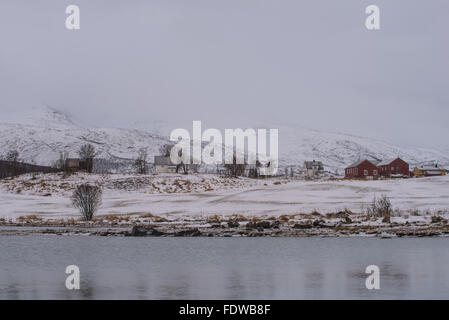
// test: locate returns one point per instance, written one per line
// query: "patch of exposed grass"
(214, 219)
(153, 217)
(29, 219)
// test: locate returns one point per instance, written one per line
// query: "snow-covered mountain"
(42, 133)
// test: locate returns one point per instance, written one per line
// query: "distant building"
(313, 169)
(163, 164)
(429, 171)
(74, 164)
(362, 169)
(393, 167)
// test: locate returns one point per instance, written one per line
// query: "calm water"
(33, 267)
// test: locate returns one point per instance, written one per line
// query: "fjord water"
(33, 267)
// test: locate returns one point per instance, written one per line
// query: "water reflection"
(210, 268)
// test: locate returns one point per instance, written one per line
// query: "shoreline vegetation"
(340, 224)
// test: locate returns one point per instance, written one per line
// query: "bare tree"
(235, 169)
(87, 199)
(87, 154)
(141, 161)
(61, 162)
(12, 156)
(165, 149)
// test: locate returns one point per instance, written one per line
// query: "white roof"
(386, 162)
(431, 168)
(355, 164)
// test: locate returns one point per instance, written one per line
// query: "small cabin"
(75, 164)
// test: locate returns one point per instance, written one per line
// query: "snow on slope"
(338, 150)
(45, 133)
(42, 133)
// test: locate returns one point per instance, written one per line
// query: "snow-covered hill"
(338, 150)
(42, 133)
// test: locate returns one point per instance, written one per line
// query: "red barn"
(391, 167)
(362, 169)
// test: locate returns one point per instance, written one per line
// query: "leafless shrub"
(381, 207)
(87, 199)
(140, 163)
(165, 149)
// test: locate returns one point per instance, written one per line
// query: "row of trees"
(87, 154)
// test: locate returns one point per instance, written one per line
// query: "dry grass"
(214, 219)
(237, 218)
(29, 219)
(153, 217)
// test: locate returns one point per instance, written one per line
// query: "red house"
(391, 167)
(362, 169)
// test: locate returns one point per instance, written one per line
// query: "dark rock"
(306, 225)
(386, 219)
(337, 215)
(138, 231)
(251, 225)
(348, 220)
(275, 224)
(188, 233)
(141, 231)
(233, 224)
(261, 225)
(154, 232)
(255, 234)
(318, 223)
(438, 219)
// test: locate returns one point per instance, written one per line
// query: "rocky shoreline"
(342, 226)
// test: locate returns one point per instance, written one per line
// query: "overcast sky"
(309, 63)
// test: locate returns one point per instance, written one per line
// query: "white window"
(392, 168)
(365, 172)
(374, 172)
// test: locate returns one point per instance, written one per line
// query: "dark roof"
(311, 164)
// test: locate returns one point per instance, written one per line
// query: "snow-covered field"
(186, 195)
